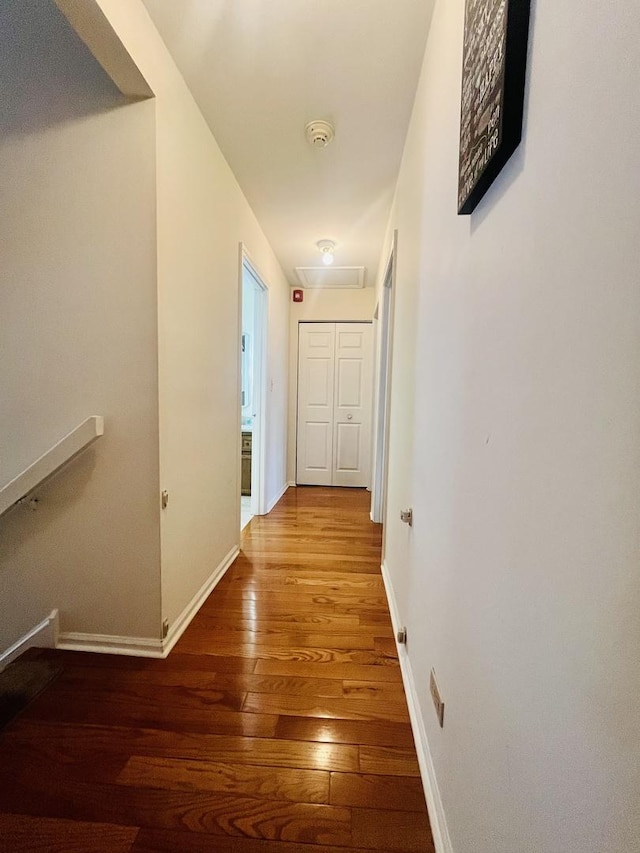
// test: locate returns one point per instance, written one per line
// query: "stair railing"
(50, 462)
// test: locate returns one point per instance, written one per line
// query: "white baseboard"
(111, 644)
(437, 817)
(272, 503)
(183, 621)
(292, 484)
(44, 635)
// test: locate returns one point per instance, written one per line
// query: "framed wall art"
(494, 65)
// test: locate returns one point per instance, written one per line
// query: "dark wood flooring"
(277, 725)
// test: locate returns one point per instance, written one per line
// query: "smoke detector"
(319, 133)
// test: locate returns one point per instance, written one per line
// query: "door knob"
(349, 417)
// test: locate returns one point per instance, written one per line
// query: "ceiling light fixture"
(319, 133)
(326, 247)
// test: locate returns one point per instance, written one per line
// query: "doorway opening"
(253, 341)
(384, 313)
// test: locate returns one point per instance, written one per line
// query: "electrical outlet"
(437, 701)
(165, 628)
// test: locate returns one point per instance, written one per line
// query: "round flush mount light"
(327, 248)
(319, 133)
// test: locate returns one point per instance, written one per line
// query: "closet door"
(352, 404)
(316, 369)
(334, 404)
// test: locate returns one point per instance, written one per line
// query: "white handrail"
(61, 453)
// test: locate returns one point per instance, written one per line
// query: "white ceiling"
(261, 69)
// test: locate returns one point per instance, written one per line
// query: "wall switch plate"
(437, 701)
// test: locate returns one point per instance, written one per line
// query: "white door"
(316, 366)
(334, 404)
(352, 404)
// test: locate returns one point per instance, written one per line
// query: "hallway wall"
(78, 334)
(120, 296)
(515, 437)
(202, 218)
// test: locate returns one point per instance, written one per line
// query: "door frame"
(382, 406)
(260, 377)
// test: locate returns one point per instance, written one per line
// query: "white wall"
(319, 305)
(124, 225)
(78, 334)
(202, 218)
(515, 436)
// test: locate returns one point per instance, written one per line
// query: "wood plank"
(200, 642)
(360, 689)
(370, 567)
(345, 709)
(195, 811)
(240, 683)
(225, 621)
(134, 691)
(93, 678)
(79, 744)
(361, 639)
(19, 758)
(171, 841)
(20, 833)
(176, 662)
(282, 685)
(389, 761)
(397, 793)
(272, 783)
(370, 617)
(367, 733)
(392, 831)
(110, 711)
(387, 646)
(323, 669)
(265, 572)
(319, 560)
(268, 575)
(246, 610)
(300, 600)
(337, 582)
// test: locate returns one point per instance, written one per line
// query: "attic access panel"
(494, 63)
(337, 277)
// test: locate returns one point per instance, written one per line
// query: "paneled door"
(352, 404)
(316, 368)
(334, 404)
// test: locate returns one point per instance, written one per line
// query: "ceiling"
(260, 70)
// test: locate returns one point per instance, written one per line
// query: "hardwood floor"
(277, 725)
